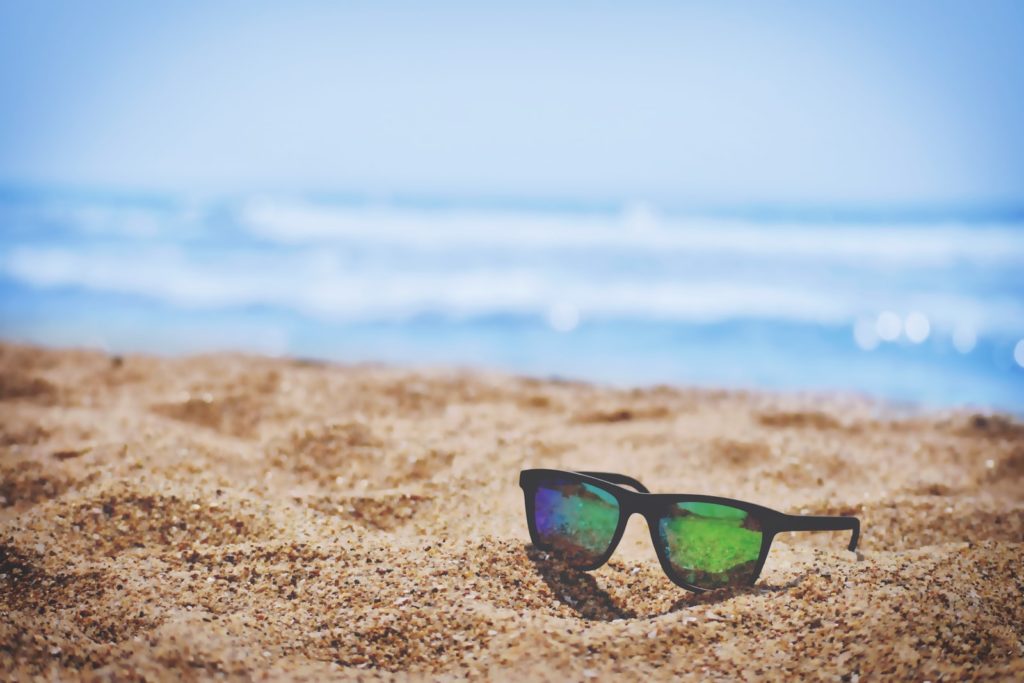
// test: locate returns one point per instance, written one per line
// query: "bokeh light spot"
(864, 334)
(563, 317)
(917, 327)
(888, 326)
(964, 338)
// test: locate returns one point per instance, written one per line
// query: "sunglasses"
(702, 542)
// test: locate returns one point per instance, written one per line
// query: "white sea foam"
(348, 262)
(322, 283)
(635, 228)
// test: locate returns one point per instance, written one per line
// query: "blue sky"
(781, 103)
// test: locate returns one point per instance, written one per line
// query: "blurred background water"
(782, 196)
(921, 309)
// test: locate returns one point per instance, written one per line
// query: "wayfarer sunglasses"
(703, 542)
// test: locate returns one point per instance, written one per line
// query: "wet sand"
(247, 517)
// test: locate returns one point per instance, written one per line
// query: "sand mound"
(229, 515)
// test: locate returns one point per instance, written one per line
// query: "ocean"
(923, 307)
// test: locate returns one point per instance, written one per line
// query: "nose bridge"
(636, 511)
(636, 539)
(637, 504)
(643, 514)
(649, 516)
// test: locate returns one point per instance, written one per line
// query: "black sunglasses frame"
(652, 506)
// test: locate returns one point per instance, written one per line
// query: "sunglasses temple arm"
(818, 523)
(613, 478)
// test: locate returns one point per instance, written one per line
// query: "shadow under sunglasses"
(580, 591)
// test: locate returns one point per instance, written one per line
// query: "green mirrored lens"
(576, 520)
(711, 545)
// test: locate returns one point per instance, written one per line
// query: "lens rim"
(664, 505)
(530, 486)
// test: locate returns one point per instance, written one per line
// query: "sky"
(811, 103)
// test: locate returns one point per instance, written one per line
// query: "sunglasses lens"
(575, 520)
(711, 545)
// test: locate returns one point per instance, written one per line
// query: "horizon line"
(762, 211)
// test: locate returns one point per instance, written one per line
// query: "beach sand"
(227, 515)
